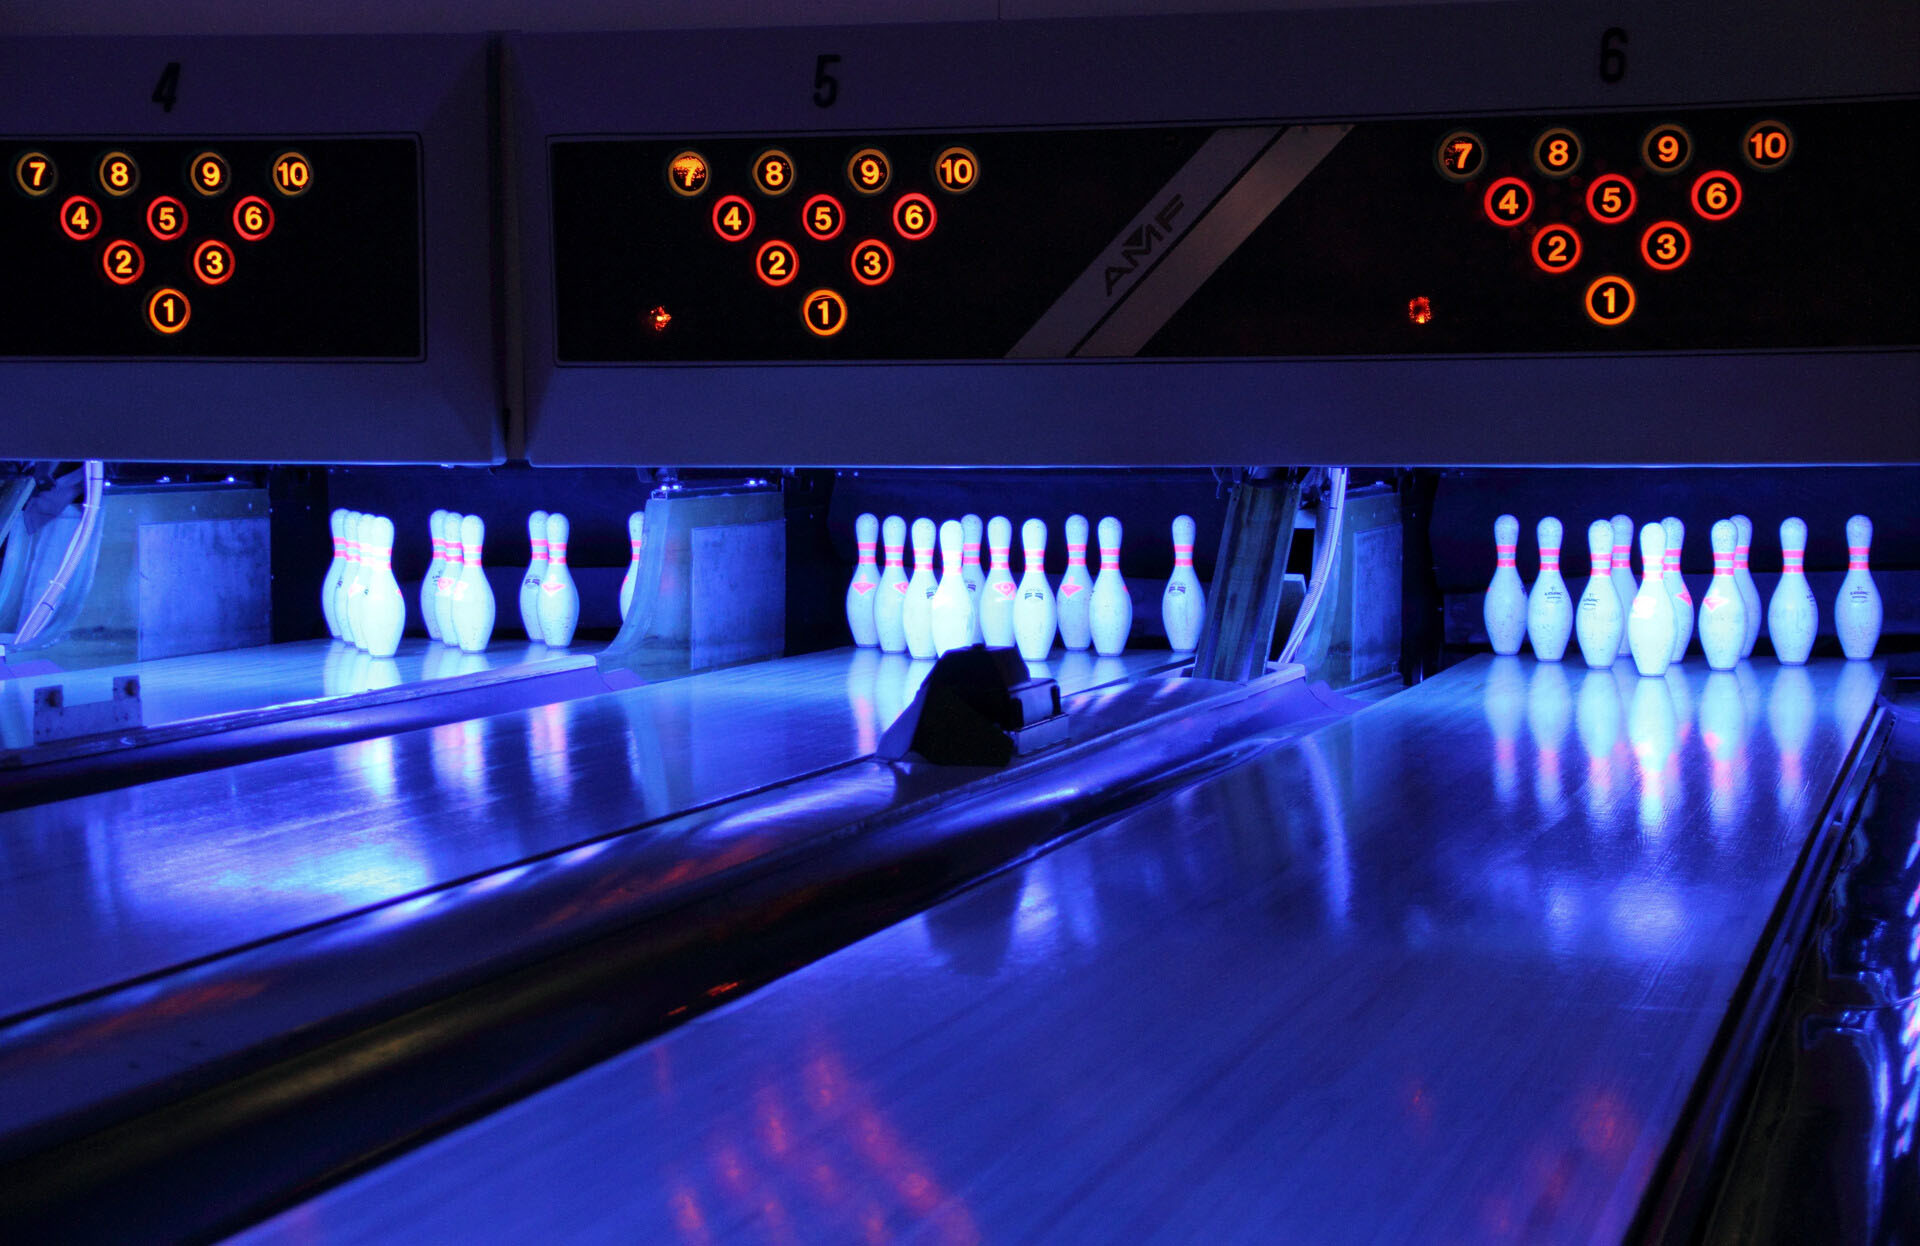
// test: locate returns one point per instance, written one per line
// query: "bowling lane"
(236, 681)
(1442, 971)
(108, 887)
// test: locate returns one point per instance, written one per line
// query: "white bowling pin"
(1549, 608)
(1623, 581)
(860, 591)
(996, 599)
(535, 576)
(428, 614)
(559, 598)
(1183, 606)
(383, 615)
(443, 598)
(1110, 612)
(950, 609)
(343, 589)
(1034, 617)
(1505, 607)
(1650, 621)
(473, 607)
(1076, 588)
(1743, 577)
(1599, 622)
(1793, 617)
(1677, 586)
(330, 583)
(916, 615)
(636, 541)
(888, 610)
(1723, 616)
(359, 559)
(971, 529)
(1857, 613)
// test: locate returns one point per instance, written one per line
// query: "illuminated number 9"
(1669, 148)
(869, 172)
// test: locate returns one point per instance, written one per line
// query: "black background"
(339, 276)
(1820, 253)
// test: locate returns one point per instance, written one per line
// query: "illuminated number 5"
(826, 87)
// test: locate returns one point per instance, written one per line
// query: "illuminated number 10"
(956, 171)
(1767, 145)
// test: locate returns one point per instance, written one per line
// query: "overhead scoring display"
(1695, 229)
(293, 248)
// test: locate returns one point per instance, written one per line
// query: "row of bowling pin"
(1655, 620)
(969, 604)
(359, 597)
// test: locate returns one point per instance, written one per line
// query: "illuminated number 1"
(1611, 295)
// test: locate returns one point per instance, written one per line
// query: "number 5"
(826, 87)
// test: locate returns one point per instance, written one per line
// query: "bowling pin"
(383, 614)
(1183, 606)
(1076, 588)
(443, 598)
(888, 622)
(435, 569)
(636, 541)
(950, 609)
(1623, 583)
(559, 599)
(473, 607)
(1793, 616)
(1599, 622)
(860, 592)
(535, 576)
(970, 573)
(1650, 621)
(330, 583)
(1723, 615)
(1857, 613)
(916, 615)
(1110, 612)
(1743, 578)
(359, 549)
(996, 599)
(1549, 609)
(1505, 607)
(349, 528)
(1034, 617)
(1677, 586)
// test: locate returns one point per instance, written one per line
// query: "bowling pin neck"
(1793, 561)
(1549, 560)
(1740, 557)
(539, 547)
(1109, 560)
(1001, 555)
(1857, 557)
(557, 552)
(866, 550)
(1722, 563)
(1183, 555)
(1503, 556)
(1035, 558)
(922, 558)
(1076, 554)
(1673, 560)
(1602, 563)
(896, 555)
(1620, 552)
(635, 544)
(970, 554)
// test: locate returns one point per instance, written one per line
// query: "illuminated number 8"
(774, 173)
(1557, 152)
(1669, 148)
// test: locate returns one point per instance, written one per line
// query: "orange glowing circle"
(687, 173)
(1508, 201)
(122, 262)
(1557, 151)
(253, 218)
(1666, 245)
(34, 174)
(869, 171)
(119, 176)
(913, 216)
(1610, 199)
(208, 174)
(823, 218)
(776, 263)
(773, 172)
(168, 311)
(80, 218)
(1556, 248)
(1460, 156)
(166, 218)
(1420, 310)
(956, 170)
(824, 312)
(213, 262)
(1767, 144)
(871, 261)
(1666, 148)
(658, 319)
(291, 174)
(1610, 300)
(1716, 195)
(732, 218)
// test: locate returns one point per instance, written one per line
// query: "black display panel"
(1686, 229)
(212, 248)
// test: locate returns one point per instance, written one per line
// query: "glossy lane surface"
(104, 888)
(1441, 972)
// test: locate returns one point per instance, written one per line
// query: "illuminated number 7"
(167, 90)
(826, 87)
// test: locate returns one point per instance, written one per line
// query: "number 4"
(167, 90)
